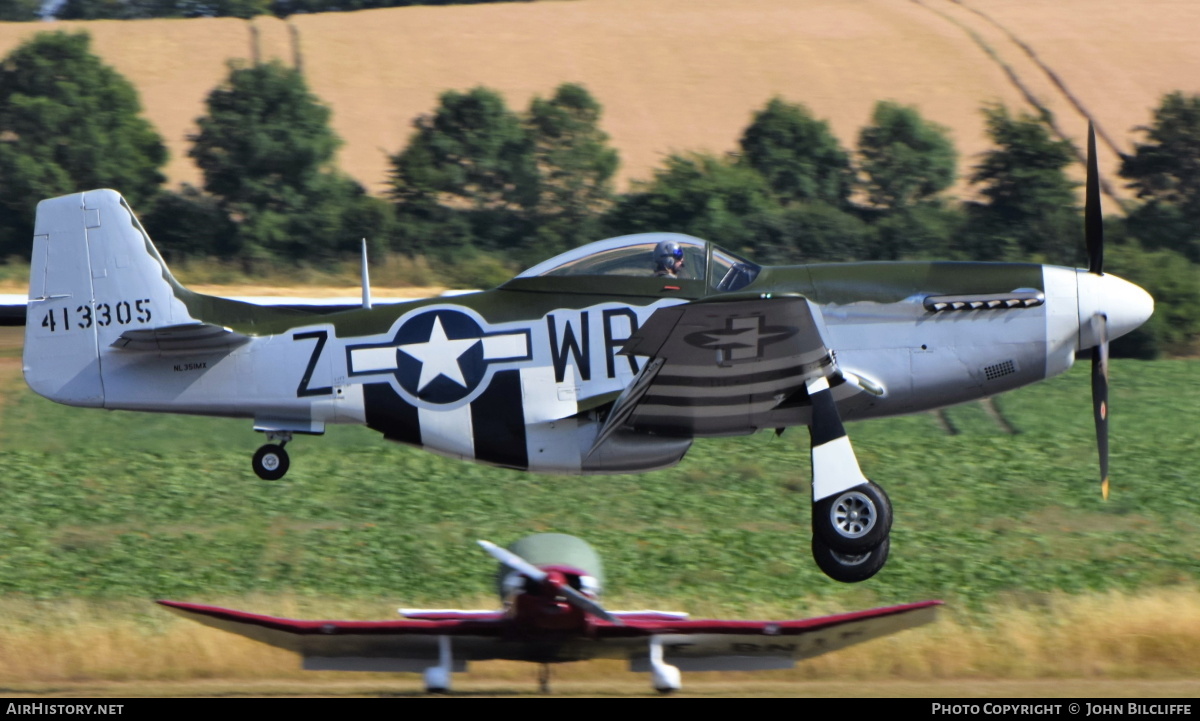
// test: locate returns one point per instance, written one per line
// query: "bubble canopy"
(632, 256)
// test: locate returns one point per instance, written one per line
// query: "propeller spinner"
(537, 575)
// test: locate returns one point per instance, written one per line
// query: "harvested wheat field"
(677, 75)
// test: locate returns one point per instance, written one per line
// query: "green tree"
(798, 155)
(472, 159)
(15, 11)
(285, 8)
(923, 231)
(68, 122)
(1031, 210)
(807, 233)
(139, 9)
(1165, 172)
(267, 153)
(190, 224)
(1174, 283)
(575, 167)
(698, 194)
(905, 158)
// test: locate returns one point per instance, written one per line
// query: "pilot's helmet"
(666, 253)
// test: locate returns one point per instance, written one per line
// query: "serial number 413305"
(122, 312)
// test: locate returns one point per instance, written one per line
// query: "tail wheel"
(847, 567)
(854, 520)
(270, 462)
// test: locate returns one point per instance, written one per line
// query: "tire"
(270, 462)
(849, 568)
(854, 520)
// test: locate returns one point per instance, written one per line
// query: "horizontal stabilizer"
(448, 614)
(650, 615)
(187, 337)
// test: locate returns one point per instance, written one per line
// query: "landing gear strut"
(851, 515)
(271, 461)
(664, 677)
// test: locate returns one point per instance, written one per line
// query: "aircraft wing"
(412, 645)
(401, 645)
(714, 645)
(721, 367)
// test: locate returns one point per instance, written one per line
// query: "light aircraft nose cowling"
(1125, 305)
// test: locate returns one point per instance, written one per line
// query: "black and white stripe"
(834, 465)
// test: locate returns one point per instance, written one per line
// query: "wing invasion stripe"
(716, 380)
(707, 368)
(698, 401)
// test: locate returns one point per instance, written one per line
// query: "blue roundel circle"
(439, 356)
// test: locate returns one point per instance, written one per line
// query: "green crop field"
(104, 511)
(113, 505)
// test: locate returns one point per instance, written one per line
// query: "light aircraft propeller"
(537, 575)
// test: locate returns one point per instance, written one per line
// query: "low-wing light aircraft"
(549, 584)
(610, 358)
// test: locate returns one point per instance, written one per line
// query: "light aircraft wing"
(720, 367)
(714, 645)
(412, 645)
(401, 645)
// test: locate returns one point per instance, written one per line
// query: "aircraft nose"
(1125, 305)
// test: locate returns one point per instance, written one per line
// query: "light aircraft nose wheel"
(847, 567)
(854, 520)
(271, 462)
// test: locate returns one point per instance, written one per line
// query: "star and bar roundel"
(440, 356)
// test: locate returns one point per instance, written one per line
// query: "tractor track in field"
(1036, 75)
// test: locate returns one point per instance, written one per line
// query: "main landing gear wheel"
(854, 520)
(271, 462)
(850, 568)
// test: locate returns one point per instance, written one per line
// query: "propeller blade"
(513, 561)
(525, 568)
(1100, 398)
(580, 601)
(1093, 219)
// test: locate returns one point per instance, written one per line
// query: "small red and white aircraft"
(549, 583)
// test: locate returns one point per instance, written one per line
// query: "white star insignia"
(439, 356)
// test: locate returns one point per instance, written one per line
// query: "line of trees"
(30, 10)
(480, 189)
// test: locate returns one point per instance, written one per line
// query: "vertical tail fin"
(95, 274)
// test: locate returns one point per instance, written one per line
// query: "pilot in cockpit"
(668, 259)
